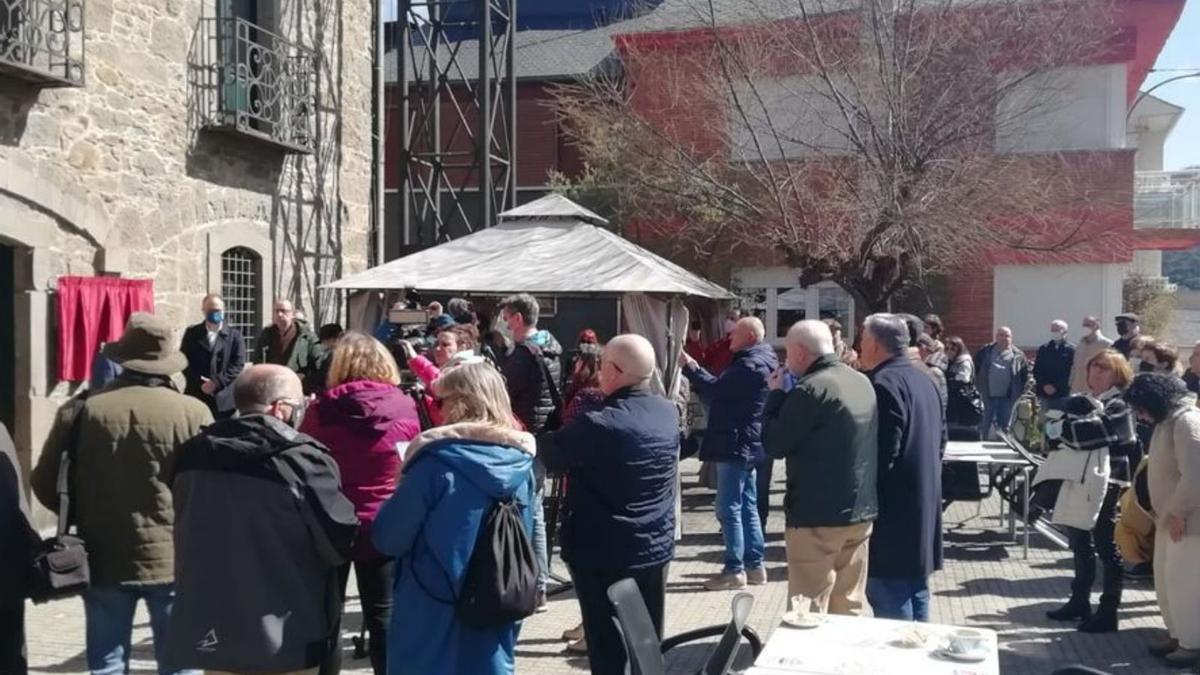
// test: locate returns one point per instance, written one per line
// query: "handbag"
(60, 563)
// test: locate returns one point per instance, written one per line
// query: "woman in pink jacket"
(364, 420)
(455, 344)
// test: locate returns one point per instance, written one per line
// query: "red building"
(996, 287)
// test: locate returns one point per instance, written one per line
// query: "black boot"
(1078, 607)
(1103, 621)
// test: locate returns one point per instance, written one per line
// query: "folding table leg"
(1025, 500)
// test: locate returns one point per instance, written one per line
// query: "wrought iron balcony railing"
(1166, 199)
(255, 83)
(41, 41)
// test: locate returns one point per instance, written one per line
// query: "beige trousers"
(829, 565)
(310, 671)
(1177, 584)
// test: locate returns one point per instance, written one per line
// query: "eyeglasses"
(613, 364)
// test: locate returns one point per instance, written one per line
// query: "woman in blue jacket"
(452, 476)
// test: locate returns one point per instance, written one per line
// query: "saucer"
(795, 620)
(963, 657)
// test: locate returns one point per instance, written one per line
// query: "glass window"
(834, 304)
(791, 305)
(241, 286)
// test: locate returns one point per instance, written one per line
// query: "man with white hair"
(1092, 343)
(620, 462)
(733, 441)
(1052, 369)
(826, 429)
(906, 543)
(1001, 374)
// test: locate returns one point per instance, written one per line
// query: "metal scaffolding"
(457, 106)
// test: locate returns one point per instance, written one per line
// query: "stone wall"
(116, 176)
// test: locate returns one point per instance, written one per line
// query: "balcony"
(41, 41)
(255, 84)
(1166, 200)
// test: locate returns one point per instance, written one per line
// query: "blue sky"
(1182, 51)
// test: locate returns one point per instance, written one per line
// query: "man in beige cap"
(122, 441)
(621, 462)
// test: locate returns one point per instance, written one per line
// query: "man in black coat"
(216, 355)
(531, 375)
(16, 540)
(1052, 369)
(906, 545)
(621, 462)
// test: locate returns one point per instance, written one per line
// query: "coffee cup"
(965, 641)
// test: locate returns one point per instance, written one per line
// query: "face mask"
(1092, 330)
(1135, 363)
(215, 317)
(729, 326)
(1145, 366)
(1057, 336)
(1123, 328)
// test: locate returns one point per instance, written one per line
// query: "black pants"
(12, 638)
(374, 579)
(1086, 545)
(763, 484)
(606, 651)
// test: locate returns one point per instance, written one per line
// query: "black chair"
(641, 640)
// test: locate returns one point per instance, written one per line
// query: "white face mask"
(1091, 330)
(1057, 336)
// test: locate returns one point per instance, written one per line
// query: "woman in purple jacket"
(363, 418)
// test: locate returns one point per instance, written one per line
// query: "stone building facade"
(173, 140)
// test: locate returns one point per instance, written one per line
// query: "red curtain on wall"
(93, 310)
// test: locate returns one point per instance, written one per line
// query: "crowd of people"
(235, 500)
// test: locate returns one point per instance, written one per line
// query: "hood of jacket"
(254, 436)
(546, 342)
(494, 459)
(364, 406)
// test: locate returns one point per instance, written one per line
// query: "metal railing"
(256, 83)
(1166, 199)
(41, 41)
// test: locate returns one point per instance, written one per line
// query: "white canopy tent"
(553, 246)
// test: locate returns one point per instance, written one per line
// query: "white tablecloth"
(845, 645)
(981, 451)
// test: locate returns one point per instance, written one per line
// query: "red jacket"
(361, 422)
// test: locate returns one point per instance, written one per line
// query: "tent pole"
(620, 298)
(672, 357)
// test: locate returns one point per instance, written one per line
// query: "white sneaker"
(727, 582)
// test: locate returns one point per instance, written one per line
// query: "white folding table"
(997, 453)
(851, 645)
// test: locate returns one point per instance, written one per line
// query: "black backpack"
(500, 585)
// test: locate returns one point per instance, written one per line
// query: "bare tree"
(868, 142)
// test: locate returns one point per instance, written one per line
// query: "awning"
(546, 247)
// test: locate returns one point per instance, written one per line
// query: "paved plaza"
(986, 583)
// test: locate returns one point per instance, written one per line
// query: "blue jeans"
(996, 411)
(541, 548)
(109, 614)
(737, 510)
(900, 599)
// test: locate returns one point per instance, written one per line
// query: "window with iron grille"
(241, 286)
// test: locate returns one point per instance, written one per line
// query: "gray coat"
(261, 527)
(1020, 368)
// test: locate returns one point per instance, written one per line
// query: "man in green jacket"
(290, 342)
(826, 428)
(124, 439)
